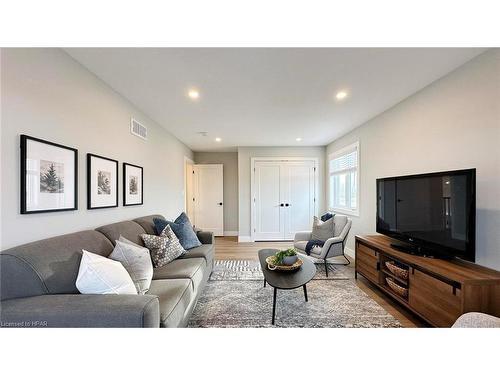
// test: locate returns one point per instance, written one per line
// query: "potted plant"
(286, 257)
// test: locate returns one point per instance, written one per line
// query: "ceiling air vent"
(136, 128)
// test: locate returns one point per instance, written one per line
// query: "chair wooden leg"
(326, 268)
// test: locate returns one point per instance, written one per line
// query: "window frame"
(334, 155)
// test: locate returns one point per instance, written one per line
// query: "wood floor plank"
(228, 248)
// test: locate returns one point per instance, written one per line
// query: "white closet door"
(269, 223)
(208, 195)
(284, 198)
(298, 190)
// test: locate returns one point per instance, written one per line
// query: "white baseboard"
(245, 239)
(231, 233)
(349, 252)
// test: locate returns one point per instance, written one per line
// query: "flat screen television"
(433, 214)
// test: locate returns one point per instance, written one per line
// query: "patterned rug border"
(225, 270)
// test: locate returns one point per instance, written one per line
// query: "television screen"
(435, 212)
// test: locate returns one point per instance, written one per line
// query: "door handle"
(287, 204)
(282, 205)
(220, 203)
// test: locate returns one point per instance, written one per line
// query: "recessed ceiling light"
(218, 139)
(298, 139)
(194, 94)
(341, 95)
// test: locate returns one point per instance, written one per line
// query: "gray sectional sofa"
(37, 282)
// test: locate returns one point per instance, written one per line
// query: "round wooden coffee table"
(286, 279)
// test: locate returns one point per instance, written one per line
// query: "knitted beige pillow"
(322, 230)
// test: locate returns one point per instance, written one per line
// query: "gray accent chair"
(37, 282)
(477, 320)
(333, 247)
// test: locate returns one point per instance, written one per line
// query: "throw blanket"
(311, 243)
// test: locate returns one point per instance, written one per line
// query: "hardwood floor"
(228, 248)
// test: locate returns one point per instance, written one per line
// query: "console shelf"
(439, 291)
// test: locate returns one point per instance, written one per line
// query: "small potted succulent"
(286, 257)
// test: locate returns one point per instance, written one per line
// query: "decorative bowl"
(289, 260)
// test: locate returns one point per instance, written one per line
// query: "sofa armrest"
(205, 238)
(302, 236)
(81, 310)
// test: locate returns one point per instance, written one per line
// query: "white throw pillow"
(136, 260)
(100, 275)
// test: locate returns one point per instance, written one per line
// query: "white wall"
(452, 124)
(46, 94)
(244, 160)
(230, 162)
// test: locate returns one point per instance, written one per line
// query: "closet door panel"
(299, 192)
(269, 223)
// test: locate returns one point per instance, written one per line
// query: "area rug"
(225, 270)
(239, 299)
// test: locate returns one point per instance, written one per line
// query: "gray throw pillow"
(163, 249)
(136, 260)
(175, 243)
(322, 230)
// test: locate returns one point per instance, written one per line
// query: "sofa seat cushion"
(175, 296)
(204, 251)
(193, 269)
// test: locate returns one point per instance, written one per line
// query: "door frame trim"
(187, 161)
(277, 159)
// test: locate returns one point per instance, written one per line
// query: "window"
(343, 180)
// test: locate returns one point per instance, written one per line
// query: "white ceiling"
(267, 96)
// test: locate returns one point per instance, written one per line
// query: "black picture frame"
(89, 181)
(24, 153)
(125, 187)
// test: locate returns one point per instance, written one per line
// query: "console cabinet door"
(367, 262)
(436, 300)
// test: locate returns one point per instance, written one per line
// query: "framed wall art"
(49, 176)
(102, 182)
(133, 180)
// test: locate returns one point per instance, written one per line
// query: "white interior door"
(208, 198)
(298, 192)
(284, 198)
(269, 221)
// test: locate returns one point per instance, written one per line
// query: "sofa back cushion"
(147, 222)
(48, 266)
(128, 229)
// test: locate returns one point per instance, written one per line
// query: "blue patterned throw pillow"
(182, 228)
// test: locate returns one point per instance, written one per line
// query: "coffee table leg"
(264, 282)
(274, 305)
(305, 291)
